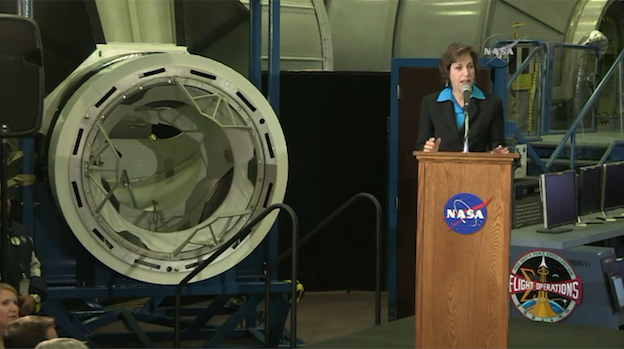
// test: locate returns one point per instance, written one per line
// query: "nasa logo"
(544, 287)
(504, 53)
(465, 213)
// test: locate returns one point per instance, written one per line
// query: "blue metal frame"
(543, 53)
(72, 273)
(499, 88)
(255, 73)
(274, 100)
(522, 67)
(255, 43)
(27, 145)
(551, 62)
(571, 132)
(546, 83)
(615, 152)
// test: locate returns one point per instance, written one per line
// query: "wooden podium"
(462, 249)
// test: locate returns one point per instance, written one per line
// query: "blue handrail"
(530, 151)
(522, 41)
(543, 69)
(522, 67)
(541, 49)
(592, 99)
(607, 154)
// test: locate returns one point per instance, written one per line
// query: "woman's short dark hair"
(453, 53)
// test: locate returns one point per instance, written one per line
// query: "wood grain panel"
(462, 280)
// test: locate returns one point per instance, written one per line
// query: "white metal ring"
(83, 168)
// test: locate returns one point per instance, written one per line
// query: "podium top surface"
(455, 156)
(580, 235)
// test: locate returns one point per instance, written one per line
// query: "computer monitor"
(616, 290)
(612, 186)
(559, 199)
(590, 191)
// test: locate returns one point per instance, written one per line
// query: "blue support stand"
(499, 88)
(255, 43)
(274, 100)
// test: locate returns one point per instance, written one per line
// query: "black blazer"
(486, 117)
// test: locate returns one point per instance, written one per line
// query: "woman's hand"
(432, 145)
(500, 150)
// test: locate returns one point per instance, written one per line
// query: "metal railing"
(550, 76)
(239, 236)
(523, 66)
(312, 233)
(607, 154)
(586, 108)
(541, 50)
(545, 99)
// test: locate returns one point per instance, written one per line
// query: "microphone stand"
(466, 128)
(466, 90)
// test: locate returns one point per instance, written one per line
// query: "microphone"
(467, 90)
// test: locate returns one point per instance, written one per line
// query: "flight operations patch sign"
(544, 286)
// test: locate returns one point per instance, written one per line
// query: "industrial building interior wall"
(137, 21)
(423, 29)
(362, 33)
(305, 35)
(220, 29)
(343, 35)
(544, 20)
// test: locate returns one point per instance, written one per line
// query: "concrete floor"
(320, 316)
(523, 333)
(326, 315)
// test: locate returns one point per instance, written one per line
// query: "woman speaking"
(442, 125)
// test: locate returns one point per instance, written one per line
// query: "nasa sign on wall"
(544, 287)
(466, 213)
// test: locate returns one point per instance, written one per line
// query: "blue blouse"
(447, 95)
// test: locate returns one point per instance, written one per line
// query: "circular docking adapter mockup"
(155, 160)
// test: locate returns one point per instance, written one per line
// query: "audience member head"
(458, 66)
(9, 309)
(28, 331)
(61, 343)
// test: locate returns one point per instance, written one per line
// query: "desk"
(579, 236)
(588, 263)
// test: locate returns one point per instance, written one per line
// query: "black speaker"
(21, 77)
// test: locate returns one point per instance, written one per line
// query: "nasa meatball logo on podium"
(466, 213)
(544, 287)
